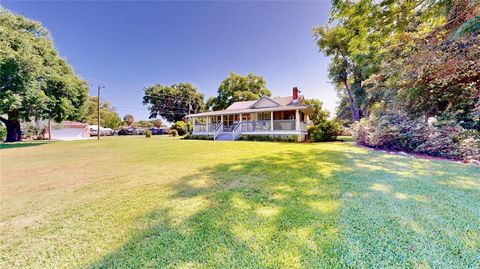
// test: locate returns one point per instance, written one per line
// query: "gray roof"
(278, 104)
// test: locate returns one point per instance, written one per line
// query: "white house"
(277, 116)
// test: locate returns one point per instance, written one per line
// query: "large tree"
(174, 102)
(108, 115)
(128, 119)
(319, 115)
(238, 88)
(34, 80)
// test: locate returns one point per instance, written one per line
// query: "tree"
(173, 102)
(343, 72)
(108, 116)
(182, 127)
(34, 80)
(157, 123)
(238, 88)
(319, 115)
(128, 119)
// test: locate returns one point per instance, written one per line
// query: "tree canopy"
(173, 102)
(109, 117)
(128, 119)
(34, 80)
(238, 88)
(410, 69)
(319, 115)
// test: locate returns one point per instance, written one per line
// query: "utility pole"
(98, 111)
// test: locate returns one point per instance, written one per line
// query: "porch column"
(221, 119)
(271, 120)
(193, 126)
(240, 118)
(297, 120)
(206, 123)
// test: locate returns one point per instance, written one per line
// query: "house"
(279, 116)
(70, 130)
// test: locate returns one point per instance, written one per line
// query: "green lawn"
(132, 202)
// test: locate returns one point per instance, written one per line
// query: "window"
(264, 116)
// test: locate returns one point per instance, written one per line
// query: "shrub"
(148, 133)
(3, 132)
(273, 138)
(182, 127)
(395, 131)
(325, 131)
(174, 132)
(198, 137)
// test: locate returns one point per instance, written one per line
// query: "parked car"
(103, 131)
(139, 131)
(127, 131)
(157, 131)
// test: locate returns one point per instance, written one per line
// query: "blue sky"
(126, 46)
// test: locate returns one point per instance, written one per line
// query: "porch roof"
(303, 108)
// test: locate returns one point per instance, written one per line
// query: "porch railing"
(255, 126)
(203, 128)
(249, 126)
(217, 131)
(284, 125)
(303, 126)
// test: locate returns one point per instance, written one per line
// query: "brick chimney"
(295, 94)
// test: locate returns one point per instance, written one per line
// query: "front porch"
(231, 126)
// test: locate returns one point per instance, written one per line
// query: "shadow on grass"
(324, 209)
(4, 145)
(268, 212)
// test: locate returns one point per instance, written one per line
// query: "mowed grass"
(132, 202)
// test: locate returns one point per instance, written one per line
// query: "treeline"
(407, 73)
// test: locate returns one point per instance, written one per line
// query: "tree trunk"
(355, 111)
(14, 132)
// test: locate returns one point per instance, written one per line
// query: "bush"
(325, 131)
(3, 132)
(148, 133)
(182, 127)
(273, 138)
(198, 137)
(174, 132)
(395, 131)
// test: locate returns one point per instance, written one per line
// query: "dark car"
(157, 131)
(127, 131)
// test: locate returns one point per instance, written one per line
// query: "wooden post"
(98, 113)
(49, 129)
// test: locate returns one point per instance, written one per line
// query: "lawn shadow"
(423, 211)
(273, 211)
(318, 208)
(4, 145)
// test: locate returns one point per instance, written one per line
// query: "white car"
(103, 131)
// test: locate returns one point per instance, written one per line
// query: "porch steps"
(226, 136)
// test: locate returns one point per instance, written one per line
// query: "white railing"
(212, 127)
(204, 128)
(249, 126)
(199, 128)
(255, 126)
(236, 132)
(217, 131)
(284, 125)
(303, 126)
